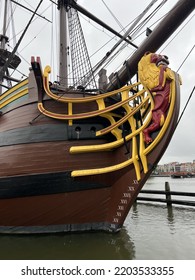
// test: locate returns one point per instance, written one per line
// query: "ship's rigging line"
(160, 19)
(32, 22)
(97, 66)
(139, 27)
(111, 59)
(53, 2)
(97, 20)
(10, 19)
(114, 38)
(177, 33)
(190, 96)
(24, 7)
(178, 69)
(127, 34)
(27, 46)
(146, 20)
(185, 59)
(5, 66)
(187, 102)
(12, 23)
(162, 3)
(118, 50)
(116, 19)
(14, 34)
(169, 41)
(106, 60)
(154, 24)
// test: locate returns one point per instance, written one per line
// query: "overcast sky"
(38, 38)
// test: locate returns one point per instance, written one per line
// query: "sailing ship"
(73, 157)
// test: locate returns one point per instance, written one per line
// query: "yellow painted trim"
(109, 146)
(130, 113)
(135, 158)
(82, 115)
(115, 131)
(70, 122)
(141, 153)
(14, 88)
(46, 73)
(125, 95)
(101, 104)
(103, 170)
(106, 112)
(14, 97)
(117, 143)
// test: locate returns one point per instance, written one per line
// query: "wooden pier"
(167, 194)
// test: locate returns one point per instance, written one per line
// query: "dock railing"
(167, 193)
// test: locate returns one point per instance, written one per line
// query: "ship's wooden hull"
(38, 194)
(46, 199)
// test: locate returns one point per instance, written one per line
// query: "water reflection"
(94, 246)
(170, 218)
(135, 213)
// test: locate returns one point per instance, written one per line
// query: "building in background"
(176, 167)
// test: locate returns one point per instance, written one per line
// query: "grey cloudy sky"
(39, 36)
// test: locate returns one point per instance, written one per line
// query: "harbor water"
(152, 231)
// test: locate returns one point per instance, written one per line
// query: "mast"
(63, 67)
(72, 41)
(3, 38)
(158, 36)
(10, 59)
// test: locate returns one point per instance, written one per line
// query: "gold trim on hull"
(16, 92)
(133, 101)
(143, 151)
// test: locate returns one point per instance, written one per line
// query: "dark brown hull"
(38, 193)
(46, 199)
(47, 187)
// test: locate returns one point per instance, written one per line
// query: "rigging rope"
(146, 20)
(5, 66)
(82, 73)
(177, 33)
(33, 22)
(185, 58)
(190, 96)
(106, 61)
(124, 28)
(116, 19)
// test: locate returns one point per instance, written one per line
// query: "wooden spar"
(158, 36)
(74, 5)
